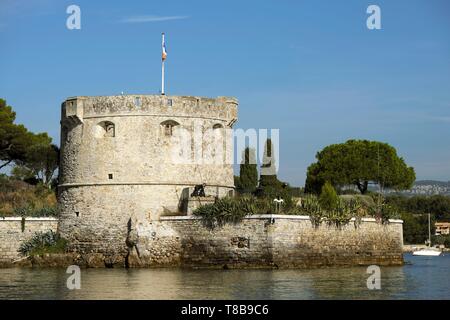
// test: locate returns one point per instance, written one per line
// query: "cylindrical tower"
(137, 155)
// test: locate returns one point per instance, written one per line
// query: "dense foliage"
(441, 239)
(414, 213)
(269, 187)
(233, 210)
(437, 205)
(14, 139)
(359, 162)
(337, 212)
(43, 242)
(225, 210)
(332, 209)
(18, 198)
(415, 227)
(34, 156)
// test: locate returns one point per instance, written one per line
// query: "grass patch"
(42, 243)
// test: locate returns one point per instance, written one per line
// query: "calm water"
(420, 278)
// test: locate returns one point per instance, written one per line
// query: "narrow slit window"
(168, 127)
(137, 101)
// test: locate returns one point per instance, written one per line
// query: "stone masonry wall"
(11, 235)
(265, 241)
(260, 241)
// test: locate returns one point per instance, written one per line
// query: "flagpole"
(162, 68)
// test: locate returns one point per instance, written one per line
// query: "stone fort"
(124, 200)
(116, 162)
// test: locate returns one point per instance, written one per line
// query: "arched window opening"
(168, 127)
(217, 126)
(107, 129)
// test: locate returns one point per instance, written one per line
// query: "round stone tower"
(138, 156)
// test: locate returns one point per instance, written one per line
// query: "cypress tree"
(269, 185)
(328, 197)
(268, 178)
(248, 179)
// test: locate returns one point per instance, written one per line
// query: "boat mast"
(429, 230)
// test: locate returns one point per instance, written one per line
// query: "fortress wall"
(97, 218)
(257, 242)
(180, 106)
(11, 235)
(267, 241)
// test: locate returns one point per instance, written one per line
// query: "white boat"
(429, 251)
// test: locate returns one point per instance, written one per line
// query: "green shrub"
(311, 206)
(29, 211)
(45, 212)
(233, 210)
(384, 211)
(339, 214)
(441, 239)
(225, 210)
(43, 242)
(343, 212)
(328, 197)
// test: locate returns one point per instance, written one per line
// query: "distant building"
(442, 228)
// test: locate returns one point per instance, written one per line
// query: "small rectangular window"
(137, 101)
(169, 102)
(110, 176)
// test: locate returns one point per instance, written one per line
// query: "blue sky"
(310, 68)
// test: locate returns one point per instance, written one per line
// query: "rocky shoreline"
(98, 260)
(60, 260)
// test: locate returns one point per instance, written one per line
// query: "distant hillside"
(426, 187)
(432, 182)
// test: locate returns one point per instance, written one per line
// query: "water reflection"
(425, 278)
